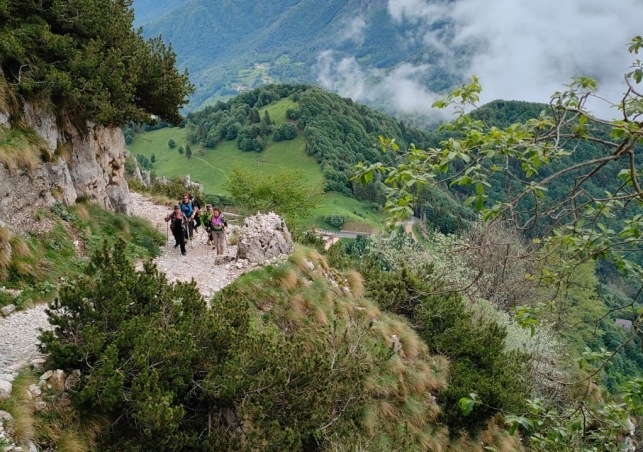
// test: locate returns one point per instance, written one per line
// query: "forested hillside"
(234, 46)
(148, 10)
(301, 127)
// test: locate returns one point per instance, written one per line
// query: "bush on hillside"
(335, 219)
(286, 131)
(286, 359)
(476, 347)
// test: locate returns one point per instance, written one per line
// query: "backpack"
(222, 221)
(187, 209)
(176, 223)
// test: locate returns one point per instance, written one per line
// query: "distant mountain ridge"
(149, 10)
(232, 46)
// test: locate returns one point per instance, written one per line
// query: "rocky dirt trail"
(19, 332)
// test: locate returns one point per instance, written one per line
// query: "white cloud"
(528, 50)
(522, 50)
(353, 30)
(399, 88)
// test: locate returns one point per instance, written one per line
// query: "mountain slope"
(149, 10)
(218, 40)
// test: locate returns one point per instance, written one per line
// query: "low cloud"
(353, 30)
(400, 88)
(520, 50)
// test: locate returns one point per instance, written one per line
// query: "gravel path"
(200, 260)
(19, 332)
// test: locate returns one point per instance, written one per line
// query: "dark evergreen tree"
(84, 57)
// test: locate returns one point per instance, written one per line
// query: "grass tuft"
(69, 441)
(19, 247)
(26, 270)
(355, 283)
(20, 406)
(287, 278)
(5, 252)
(412, 345)
(22, 149)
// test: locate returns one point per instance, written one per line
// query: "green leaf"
(466, 405)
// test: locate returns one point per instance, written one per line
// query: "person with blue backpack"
(188, 211)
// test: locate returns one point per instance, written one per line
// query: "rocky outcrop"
(89, 162)
(263, 237)
(22, 192)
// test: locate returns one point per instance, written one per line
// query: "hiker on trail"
(196, 205)
(188, 211)
(219, 225)
(178, 225)
(206, 219)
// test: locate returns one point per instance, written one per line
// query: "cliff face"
(91, 165)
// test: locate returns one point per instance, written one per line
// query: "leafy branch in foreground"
(546, 177)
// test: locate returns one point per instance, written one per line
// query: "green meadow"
(210, 167)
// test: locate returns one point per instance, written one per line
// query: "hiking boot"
(176, 244)
(209, 242)
(184, 253)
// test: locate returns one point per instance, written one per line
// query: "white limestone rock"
(5, 390)
(263, 237)
(7, 310)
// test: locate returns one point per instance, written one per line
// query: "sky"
(522, 50)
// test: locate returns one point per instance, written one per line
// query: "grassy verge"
(39, 262)
(57, 427)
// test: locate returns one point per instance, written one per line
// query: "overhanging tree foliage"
(84, 58)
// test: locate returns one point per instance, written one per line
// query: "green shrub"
(476, 348)
(283, 360)
(480, 364)
(335, 219)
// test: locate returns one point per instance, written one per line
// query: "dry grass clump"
(22, 149)
(355, 283)
(494, 437)
(27, 269)
(63, 150)
(8, 100)
(19, 247)
(5, 251)
(288, 279)
(68, 431)
(82, 212)
(21, 407)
